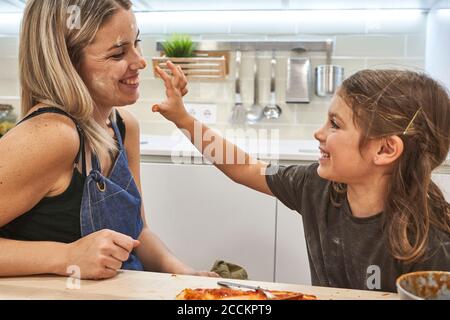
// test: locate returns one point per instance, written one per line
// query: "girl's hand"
(173, 107)
(191, 272)
(206, 274)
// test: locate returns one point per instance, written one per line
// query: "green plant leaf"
(179, 46)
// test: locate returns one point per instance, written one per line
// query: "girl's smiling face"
(341, 159)
(111, 63)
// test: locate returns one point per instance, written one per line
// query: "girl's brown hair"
(417, 109)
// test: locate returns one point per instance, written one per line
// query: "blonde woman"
(70, 185)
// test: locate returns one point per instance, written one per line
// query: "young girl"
(370, 210)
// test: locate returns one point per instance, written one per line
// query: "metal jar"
(328, 79)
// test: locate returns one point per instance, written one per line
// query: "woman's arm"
(152, 252)
(23, 258)
(234, 162)
(33, 156)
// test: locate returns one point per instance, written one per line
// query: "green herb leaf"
(179, 46)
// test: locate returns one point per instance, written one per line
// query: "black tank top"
(57, 218)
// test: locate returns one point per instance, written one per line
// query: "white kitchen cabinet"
(202, 216)
(291, 257)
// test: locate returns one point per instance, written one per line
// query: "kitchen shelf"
(205, 66)
(300, 45)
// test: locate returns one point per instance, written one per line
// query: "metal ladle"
(272, 110)
(255, 113)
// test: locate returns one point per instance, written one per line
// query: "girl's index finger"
(166, 78)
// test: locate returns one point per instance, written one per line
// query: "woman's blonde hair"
(54, 34)
(416, 108)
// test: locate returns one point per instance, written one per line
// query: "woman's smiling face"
(341, 159)
(111, 63)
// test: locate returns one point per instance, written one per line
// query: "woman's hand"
(100, 254)
(173, 107)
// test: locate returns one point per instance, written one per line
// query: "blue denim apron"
(112, 202)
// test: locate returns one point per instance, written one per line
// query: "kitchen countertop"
(131, 285)
(165, 148)
(178, 144)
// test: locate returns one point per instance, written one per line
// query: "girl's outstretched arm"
(227, 157)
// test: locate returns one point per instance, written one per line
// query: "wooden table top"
(132, 285)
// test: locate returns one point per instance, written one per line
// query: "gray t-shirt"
(345, 251)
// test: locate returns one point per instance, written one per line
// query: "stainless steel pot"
(328, 79)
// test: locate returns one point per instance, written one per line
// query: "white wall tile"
(147, 73)
(148, 45)
(9, 47)
(402, 64)
(143, 111)
(371, 46)
(288, 114)
(350, 65)
(415, 45)
(152, 89)
(9, 68)
(316, 116)
(215, 92)
(9, 88)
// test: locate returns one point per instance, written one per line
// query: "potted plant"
(179, 46)
(181, 50)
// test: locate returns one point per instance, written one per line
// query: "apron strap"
(94, 159)
(117, 131)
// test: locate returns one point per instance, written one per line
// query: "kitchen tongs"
(227, 284)
(266, 293)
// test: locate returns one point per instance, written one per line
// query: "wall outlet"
(206, 113)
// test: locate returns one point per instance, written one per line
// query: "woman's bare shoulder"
(38, 152)
(48, 134)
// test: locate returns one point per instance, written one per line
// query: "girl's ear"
(390, 149)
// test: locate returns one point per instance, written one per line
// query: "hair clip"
(412, 121)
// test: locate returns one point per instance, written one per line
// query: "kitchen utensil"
(424, 285)
(298, 80)
(246, 69)
(328, 76)
(255, 112)
(227, 284)
(272, 110)
(328, 79)
(239, 112)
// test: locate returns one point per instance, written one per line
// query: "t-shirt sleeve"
(286, 183)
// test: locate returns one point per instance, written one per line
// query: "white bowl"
(424, 285)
